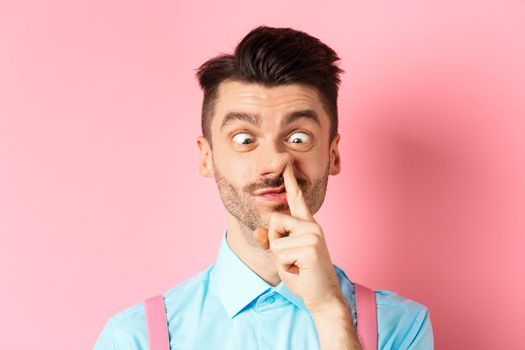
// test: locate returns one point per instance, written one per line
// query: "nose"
(272, 160)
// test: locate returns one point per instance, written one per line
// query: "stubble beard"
(241, 204)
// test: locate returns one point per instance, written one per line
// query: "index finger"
(294, 195)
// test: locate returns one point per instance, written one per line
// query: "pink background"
(101, 203)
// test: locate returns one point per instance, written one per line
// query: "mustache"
(274, 183)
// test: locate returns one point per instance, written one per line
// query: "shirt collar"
(238, 285)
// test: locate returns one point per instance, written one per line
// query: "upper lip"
(270, 190)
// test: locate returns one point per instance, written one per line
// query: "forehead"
(264, 101)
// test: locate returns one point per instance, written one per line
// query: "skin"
(279, 242)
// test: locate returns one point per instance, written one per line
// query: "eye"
(299, 137)
(241, 138)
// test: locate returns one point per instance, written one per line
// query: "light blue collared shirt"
(228, 306)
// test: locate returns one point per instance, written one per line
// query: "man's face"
(255, 131)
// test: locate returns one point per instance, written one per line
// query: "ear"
(335, 159)
(205, 163)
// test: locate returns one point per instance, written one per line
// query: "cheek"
(314, 167)
(236, 170)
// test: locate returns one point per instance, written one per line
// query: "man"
(270, 141)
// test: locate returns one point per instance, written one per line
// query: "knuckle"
(313, 239)
(316, 227)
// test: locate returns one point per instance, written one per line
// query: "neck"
(259, 260)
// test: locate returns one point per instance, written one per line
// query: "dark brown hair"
(271, 57)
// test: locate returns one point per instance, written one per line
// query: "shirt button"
(270, 300)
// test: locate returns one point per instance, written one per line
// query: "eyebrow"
(255, 120)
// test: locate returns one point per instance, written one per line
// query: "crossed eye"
(241, 138)
(306, 137)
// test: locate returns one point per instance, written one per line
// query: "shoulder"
(127, 328)
(134, 316)
(190, 291)
(403, 323)
(396, 304)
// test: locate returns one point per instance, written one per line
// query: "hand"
(298, 245)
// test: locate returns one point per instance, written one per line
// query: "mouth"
(274, 195)
(276, 190)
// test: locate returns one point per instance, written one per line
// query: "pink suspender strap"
(365, 301)
(157, 323)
